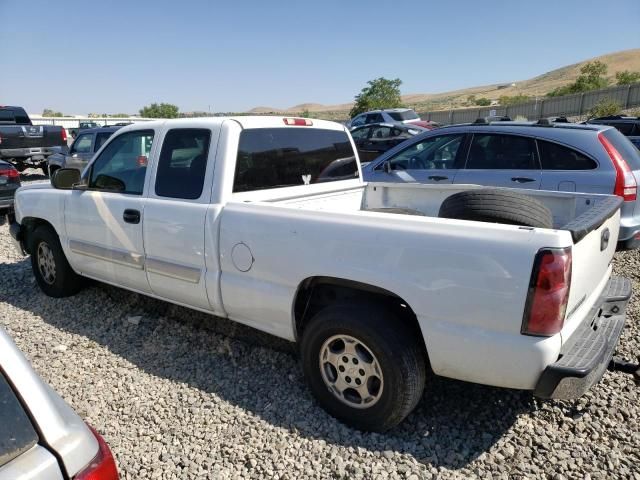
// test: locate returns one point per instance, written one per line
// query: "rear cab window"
(182, 163)
(623, 145)
(286, 157)
(17, 434)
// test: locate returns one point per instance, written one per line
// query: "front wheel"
(52, 271)
(364, 365)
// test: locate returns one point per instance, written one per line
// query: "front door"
(104, 223)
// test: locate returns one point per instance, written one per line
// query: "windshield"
(401, 116)
(285, 157)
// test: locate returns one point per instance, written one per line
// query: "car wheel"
(52, 271)
(496, 206)
(364, 365)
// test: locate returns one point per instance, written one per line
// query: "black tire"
(497, 206)
(395, 347)
(64, 282)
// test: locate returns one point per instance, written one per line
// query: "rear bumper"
(585, 357)
(40, 152)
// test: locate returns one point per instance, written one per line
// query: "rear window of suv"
(400, 116)
(627, 149)
(285, 157)
(17, 434)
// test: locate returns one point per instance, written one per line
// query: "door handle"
(131, 216)
(522, 179)
(437, 178)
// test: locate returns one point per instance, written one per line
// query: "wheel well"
(317, 292)
(29, 224)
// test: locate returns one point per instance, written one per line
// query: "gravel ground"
(181, 395)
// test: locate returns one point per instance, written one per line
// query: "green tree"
(507, 100)
(592, 77)
(305, 113)
(47, 112)
(626, 77)
(381, 93)
(159, 110)
(605, 107)
(483, 102)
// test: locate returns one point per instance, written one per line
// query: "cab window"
(82, 144)
(122, 165)
(182, 163)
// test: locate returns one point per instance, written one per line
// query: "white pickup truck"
(264, 220)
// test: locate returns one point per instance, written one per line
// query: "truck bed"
(448, 267)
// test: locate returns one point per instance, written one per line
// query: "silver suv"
(543, 155)
(390, 115)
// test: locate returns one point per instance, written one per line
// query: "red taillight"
(64, 134)
(300, 122)
(626, 186)
(9, 173)
(548, 292)
(103, 466)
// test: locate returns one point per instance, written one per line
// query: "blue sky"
(118, 55)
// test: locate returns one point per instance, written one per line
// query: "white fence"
(74, 122)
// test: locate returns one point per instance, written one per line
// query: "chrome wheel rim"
(46, 263)
(351, 371)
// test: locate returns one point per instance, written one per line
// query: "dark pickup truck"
(26, 145)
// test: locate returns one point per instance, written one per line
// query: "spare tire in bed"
(496, 206)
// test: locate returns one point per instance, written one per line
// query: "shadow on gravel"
(454, 423)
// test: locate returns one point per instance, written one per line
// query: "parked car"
(544, 155)
(26, 145)
(9, 183)
(84, 146)
(375, 139)
(246, 218)
(628, 126)
(41, 437)
(86, 125)
(390, 115)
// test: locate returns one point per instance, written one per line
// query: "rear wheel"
(52, 271)
(363, 364)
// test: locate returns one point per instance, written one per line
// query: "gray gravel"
(181, 395)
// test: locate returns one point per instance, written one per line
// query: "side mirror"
(386, 166)
(65, 178)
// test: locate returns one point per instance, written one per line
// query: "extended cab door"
(501, 160)
(176, 214)
(104, 222)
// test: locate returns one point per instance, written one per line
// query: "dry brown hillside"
(540, 86)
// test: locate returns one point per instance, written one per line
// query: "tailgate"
(595, 237)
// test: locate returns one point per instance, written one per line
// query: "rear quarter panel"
(466, 281)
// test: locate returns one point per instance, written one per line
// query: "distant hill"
(537, 86)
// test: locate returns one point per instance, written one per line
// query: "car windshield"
(17, 434)
(401, 116)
